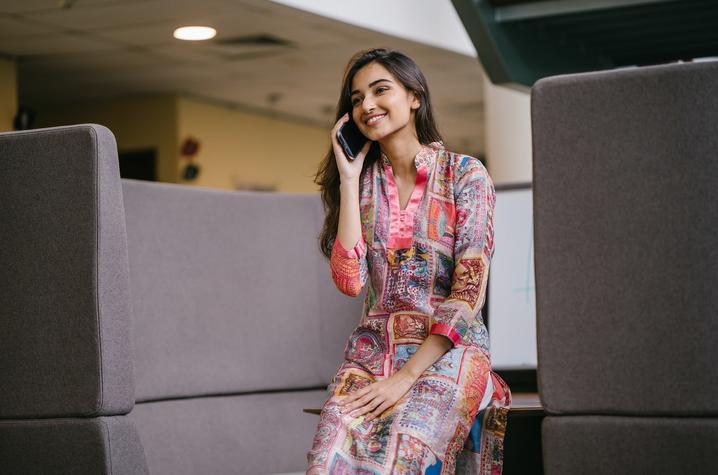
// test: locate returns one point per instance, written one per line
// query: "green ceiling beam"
(520, 43)
(517, 54)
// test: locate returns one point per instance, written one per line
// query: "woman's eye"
(355, 102)
(379, 90)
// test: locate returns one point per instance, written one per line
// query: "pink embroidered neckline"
(401, 222)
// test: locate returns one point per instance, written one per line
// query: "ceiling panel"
(11, 26)
(98, 16)
(52, 44)
(39, 6)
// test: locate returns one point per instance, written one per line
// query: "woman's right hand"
(348, 169)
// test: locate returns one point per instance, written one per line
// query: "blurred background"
(258, 99)
(251, 107)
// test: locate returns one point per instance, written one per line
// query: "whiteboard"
(511, 293)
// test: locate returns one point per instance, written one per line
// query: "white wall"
(432, 22)
(507, 119)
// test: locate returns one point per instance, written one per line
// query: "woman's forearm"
(426, 355)
(349, 228)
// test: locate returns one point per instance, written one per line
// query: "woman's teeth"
(374, 120)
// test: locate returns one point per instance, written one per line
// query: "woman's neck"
(401, 153)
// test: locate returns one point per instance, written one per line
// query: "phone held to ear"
(351, 139)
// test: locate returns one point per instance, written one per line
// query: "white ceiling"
(99, 48)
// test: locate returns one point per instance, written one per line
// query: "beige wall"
(252, 149)
(137, 122)
(8, 94)
(235, 146)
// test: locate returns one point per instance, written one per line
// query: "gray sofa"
(156, 328)
(626, 261)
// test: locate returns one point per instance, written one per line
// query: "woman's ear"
(415, 102)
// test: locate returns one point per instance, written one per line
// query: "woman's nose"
(368, 105)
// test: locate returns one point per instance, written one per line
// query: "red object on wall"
(189, 147)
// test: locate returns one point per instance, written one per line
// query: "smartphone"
(351, 139)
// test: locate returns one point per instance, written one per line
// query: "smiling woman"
(415, 393)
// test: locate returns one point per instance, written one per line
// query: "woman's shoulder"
(465, 167)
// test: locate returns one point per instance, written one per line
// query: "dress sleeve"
(349, 268)
(475, 199)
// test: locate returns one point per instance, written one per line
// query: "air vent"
(239, 48)
(254, 40)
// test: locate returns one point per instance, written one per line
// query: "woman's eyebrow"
(370, 85)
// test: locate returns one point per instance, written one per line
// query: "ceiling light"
(194, 33)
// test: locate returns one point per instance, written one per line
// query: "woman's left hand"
(377, 397)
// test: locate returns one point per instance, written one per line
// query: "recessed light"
(194, 33)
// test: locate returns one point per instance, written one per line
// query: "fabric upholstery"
(230, 293)
(101, 445)
(626, 241)
(606, 445)
(230, 296)
(250, 434)
(64, 305)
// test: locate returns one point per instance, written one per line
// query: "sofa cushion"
(230, 293)
(64, 303)
(249, 434)
(101, 445)
(605, 445)
(626, 258)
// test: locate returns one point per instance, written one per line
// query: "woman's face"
(381, 105)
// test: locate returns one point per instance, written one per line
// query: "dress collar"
(424, 159)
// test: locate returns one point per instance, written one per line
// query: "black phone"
(351, 139)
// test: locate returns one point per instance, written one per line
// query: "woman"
(416, 221)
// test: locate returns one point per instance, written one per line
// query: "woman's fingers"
(358, 403)
(342, 120)
(338, 125)
(370, 406)
(354, 396)
(371, 401)
(349, 402)
(379, 410)
(347, 168)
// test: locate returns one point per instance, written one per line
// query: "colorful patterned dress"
(427, 267)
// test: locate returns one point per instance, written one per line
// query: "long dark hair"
(327, 177)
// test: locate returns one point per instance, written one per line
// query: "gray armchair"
(65, 341)
(626, 259)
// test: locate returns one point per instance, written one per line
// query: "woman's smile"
(374, 119)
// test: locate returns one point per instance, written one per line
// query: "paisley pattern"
(427, 269)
